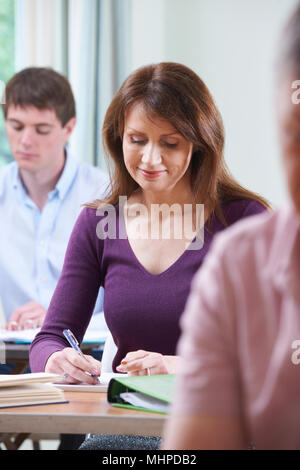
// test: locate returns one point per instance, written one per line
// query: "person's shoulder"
(93, 213)
(87, 216)
(7, 169)
(96, 180)
(85, 169)
(96, 223)
(239, 208)
(85, 227)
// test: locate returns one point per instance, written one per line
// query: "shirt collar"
(17, 183)
(283, 260)
(67, 176)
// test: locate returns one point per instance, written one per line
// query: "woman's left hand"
(147, 363)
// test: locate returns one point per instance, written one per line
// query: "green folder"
(153, 393)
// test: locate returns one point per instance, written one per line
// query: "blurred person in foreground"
(239, 383)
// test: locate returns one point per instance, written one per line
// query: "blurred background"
(231, 44)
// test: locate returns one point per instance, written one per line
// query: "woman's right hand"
(73, 367)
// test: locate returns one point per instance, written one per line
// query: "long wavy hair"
(173, 92)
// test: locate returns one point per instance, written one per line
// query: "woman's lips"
(152, 174)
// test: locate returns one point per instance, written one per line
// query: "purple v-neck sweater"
(142, 310)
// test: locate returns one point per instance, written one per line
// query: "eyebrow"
(37, 124)
(163, 135)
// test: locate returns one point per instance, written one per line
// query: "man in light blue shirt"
(41, 194)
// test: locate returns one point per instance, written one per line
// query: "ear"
(68, 128)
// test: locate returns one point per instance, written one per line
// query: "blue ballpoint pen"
(75, 345)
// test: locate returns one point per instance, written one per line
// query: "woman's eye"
(17, 128)
(169, 145)
(137, 141)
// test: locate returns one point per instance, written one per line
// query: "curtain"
(41, 28)
(89, 42)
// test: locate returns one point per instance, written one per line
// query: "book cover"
(148, 393)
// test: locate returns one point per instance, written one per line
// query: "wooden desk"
(86, 412)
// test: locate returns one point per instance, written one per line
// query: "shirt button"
(43, 278)
(42, 243)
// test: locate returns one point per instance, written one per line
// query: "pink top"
(241, 340)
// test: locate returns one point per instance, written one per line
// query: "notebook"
(104, 380)
(30, 389)
(147, 393)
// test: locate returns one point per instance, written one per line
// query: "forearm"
(74, 298)
(63, 313)
(42, 347)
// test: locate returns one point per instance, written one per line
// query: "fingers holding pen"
(74, 367)
(79, 368)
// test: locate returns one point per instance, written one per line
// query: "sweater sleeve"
(75, 295)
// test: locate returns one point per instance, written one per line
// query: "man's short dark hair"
(43, 88)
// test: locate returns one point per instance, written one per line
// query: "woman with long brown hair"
(164, 137)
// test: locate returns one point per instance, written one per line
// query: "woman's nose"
(152, 155)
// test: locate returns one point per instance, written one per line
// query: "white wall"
(148, 32)
(231, 44)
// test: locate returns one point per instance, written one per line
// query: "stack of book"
(30, 389)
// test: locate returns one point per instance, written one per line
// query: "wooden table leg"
(13, 441)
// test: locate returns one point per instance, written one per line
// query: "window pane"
(7, 64)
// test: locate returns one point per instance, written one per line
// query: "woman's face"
(289, 121)
(155, 154)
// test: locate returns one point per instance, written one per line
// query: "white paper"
(18, 335)
(101, 387)
(145, 401)
(27, 336)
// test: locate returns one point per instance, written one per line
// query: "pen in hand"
(75, 345)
